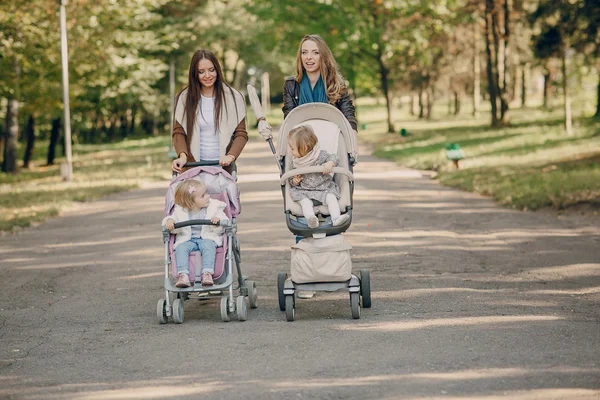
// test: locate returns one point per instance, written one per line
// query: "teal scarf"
(309, 95)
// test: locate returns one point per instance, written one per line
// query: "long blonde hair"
(304, 137)
(185, 192)
(334, 83)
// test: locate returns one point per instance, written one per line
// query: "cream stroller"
(321, 261)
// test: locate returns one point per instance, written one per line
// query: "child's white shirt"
(214, 209)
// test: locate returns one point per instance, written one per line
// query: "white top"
(196, 229)
(209, 140)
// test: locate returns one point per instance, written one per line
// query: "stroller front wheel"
(252, 293)
(241, 309)
(225, 309)
(178, 311)
(290, 308)
(281, 277)
(161, 311)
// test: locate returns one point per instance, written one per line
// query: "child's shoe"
(207, 279)
(183, 281)
(313, 222)
(341, 219)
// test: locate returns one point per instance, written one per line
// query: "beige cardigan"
(232, 127)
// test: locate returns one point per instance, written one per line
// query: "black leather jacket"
(291, 96)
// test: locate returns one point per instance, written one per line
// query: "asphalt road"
(470, 301)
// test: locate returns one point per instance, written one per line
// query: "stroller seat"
(336, 137)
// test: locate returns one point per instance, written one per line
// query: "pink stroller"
(221, 186)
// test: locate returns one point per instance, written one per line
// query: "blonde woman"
(210, 116)
(317, 79)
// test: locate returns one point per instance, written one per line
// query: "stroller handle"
(314, 169)
(201, 222)
(214, 163)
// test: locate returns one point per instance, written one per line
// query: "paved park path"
(470, 301)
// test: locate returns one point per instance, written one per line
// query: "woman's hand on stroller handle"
(264, 129)
(179, 163)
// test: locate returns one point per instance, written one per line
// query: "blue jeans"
(208, 249)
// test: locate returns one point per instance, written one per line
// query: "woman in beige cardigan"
(210, 116)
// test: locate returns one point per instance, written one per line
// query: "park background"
(514, 83)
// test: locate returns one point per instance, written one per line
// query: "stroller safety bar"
(200, 222)
(308, 170)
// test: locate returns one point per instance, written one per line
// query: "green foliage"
(528, 165)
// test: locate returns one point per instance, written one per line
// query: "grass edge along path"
(528, 165)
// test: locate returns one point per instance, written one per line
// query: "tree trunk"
(490, 61)
(421, 104)
(504, 94)
(30, 135)
(524, 85)
(133, 116)
(598, 96)
(9, 163)
(476, 69)
(568, 118)
(429, 101)
(383, 72)
(123, 126)
(413, 104)
(456, 103)
(54, 136)
(547, 86)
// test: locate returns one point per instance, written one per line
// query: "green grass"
(529, 164)
(38, 193)
(33, 195)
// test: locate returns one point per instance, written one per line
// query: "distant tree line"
(121, 54)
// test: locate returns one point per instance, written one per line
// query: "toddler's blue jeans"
(208, 249)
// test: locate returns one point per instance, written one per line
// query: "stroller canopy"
(311, 112)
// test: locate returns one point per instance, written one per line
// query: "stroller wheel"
(161, 311)
(365, 288)
(225, 309)
(290, 308)
(242, 310)
(252, 293)
(178, 311)
(355, 305)
(281, 277)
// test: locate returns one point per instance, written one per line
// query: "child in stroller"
(221, 229)
(321, 187)
(193, 202)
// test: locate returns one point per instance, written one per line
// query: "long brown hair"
(193, 96)
(334, 84)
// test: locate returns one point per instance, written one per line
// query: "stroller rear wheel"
(161, 311)
(281, 277)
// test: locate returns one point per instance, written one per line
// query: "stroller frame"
(221, 289)
(359, 287)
